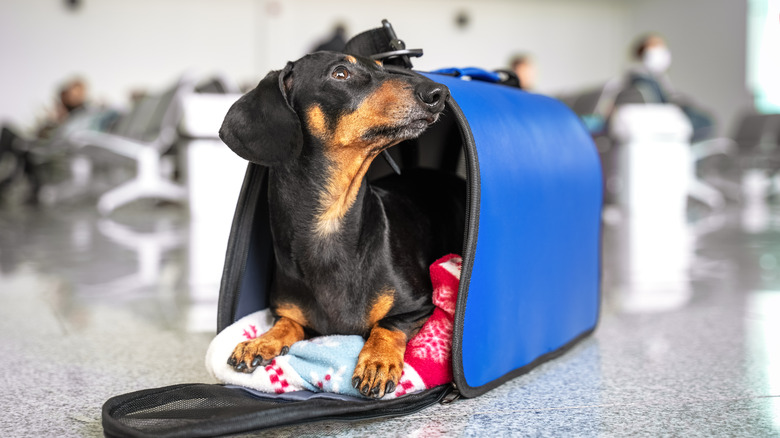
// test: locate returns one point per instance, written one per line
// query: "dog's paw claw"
(377, 379)
(250, 355)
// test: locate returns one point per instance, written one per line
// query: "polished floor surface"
(91, 308)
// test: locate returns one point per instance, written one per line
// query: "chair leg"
(119, 196)
(140, 189)
(168, 190)
(706, 194)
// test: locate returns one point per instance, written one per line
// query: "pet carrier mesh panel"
(531, 268)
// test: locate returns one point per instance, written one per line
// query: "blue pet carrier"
(531, 261)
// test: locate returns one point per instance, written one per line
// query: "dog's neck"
(322, 205)
(343, 194)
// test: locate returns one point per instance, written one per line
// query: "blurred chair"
(150, 248)
(757, 137)
(144, 135)
(712, 193)
(594, 105)
(50, 166)
(218, 83)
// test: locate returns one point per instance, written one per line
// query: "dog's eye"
(341, 73)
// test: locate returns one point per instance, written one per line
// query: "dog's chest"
(341, 310)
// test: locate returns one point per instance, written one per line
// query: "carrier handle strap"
(382, 44)
(473, 73)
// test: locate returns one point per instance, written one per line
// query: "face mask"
(657, 59)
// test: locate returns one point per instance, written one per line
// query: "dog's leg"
(380, 363)
(260, 351)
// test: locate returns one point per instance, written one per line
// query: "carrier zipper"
(450, 397)
(414, 403)
(471, 236)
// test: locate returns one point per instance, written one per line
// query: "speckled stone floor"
(91, 308)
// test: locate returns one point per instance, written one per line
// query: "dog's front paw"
(258, 352)
(380, 363)
(253, 353)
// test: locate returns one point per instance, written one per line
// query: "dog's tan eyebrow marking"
(351, 59)
(378, 62)
(351, 155)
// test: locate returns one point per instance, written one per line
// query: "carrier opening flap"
(201, 410)
(530, 286)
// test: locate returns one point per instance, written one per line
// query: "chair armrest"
(714, 146)
(119, 145)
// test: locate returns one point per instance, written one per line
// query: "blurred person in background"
(647, 82)
(72, 100)
(30, 160)
(524, 68)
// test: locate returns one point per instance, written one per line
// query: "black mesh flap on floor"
(194, 410)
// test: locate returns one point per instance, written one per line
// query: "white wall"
(121, 45)
(117, 46)
(575, 42)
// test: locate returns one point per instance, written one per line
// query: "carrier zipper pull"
(452, 396)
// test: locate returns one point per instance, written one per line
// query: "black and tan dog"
(351, 257)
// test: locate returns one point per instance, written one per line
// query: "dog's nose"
(433, 95)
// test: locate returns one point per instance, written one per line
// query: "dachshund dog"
(351, 257)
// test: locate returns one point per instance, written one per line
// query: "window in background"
(763, 63)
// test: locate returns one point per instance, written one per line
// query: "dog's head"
(354, 106)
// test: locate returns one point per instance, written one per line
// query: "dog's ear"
(261, 126)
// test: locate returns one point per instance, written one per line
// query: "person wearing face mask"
(648, 82)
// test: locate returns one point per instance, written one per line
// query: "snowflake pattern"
(405, 386)
(331, 381)
(325, 341)
(251, 332)
(453, 266)
(444, 298)
(434, 342)
(277, 378)
(445, 293)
